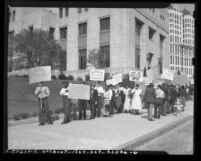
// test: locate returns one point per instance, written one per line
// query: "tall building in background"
(181, 39)
(128, 39)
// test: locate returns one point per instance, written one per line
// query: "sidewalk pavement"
(99, 134)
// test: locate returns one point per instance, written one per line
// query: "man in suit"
(42, 92)
(149, 96)
(93, 102)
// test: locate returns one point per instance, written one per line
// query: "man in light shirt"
(66, 103)
(42, 92)
(100, 91)
(159, 96)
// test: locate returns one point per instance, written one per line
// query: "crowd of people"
(106, 102)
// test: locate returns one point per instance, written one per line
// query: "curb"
(31, 120)
(133, 144)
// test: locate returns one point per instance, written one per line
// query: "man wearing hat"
(42, 92)
(66, 103)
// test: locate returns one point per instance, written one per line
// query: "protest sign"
(147, 80)
(97, 75)
(181, 79)
(39, 74)
(79, 91)
(167, 74)
(135, 76)
(117, 78)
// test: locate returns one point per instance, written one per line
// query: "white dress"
(127, 99)
(136, 103)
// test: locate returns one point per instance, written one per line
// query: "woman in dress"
(127, 99)
(136, 104)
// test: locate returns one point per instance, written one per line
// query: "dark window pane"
(51, 32)
(63, 33)
(83, 29)
(13, 15)
(66, 12)
(79, 10)
(82, 59)
(105, 55)
(105, 24)
(137, 58)
(60, 12)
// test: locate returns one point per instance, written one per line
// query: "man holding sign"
(42, 92)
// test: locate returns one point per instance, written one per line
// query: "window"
(13, 15)
(105, 24)
(86, 9)
(51, 32)
(105, 52)
(60, 12)
(83, 29)
(170, 59)
(63, 60)
(63, 33)
(79, 10)
(66, 12)
(151, 33)
(137, 58)
(82, 58)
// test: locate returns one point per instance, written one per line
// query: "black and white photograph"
(101, 78)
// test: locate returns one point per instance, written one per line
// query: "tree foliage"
(38, 47)
(95, 58)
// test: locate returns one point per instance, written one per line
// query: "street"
(177, 141)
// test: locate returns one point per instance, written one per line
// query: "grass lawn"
(21, 98)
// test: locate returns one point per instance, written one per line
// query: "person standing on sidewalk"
(182, 96)
(136, 103)
(166, 100)
(100, 91)
(66, 103)
(149, 96)
(82, 105)
(158, 102)
(42, 92)
(93, 102)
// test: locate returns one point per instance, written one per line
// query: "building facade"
(128, 39)
(181, 33)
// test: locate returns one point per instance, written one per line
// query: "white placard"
(39, 74)
(147, 80)
(79, 91)
(117, 78)
(135, 76)
(167, 74)
(97, 75)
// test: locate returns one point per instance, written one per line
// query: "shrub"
(16, 117)
(24, 76)
(87, 77)
(54, 77)
(24, 115)
(107, 76)
(62, 76)
(70, 77)
(79, 79)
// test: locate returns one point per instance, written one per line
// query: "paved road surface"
(177, 141)
(97, 134)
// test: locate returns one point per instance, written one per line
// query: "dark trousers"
(74, 109)
(44, 113)
(67, 109)
(93, 108)
(100, 105)
(150, 107)
(158, 108)
(166, 107)
(172, 108)
(112, 104)
(82, 108)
